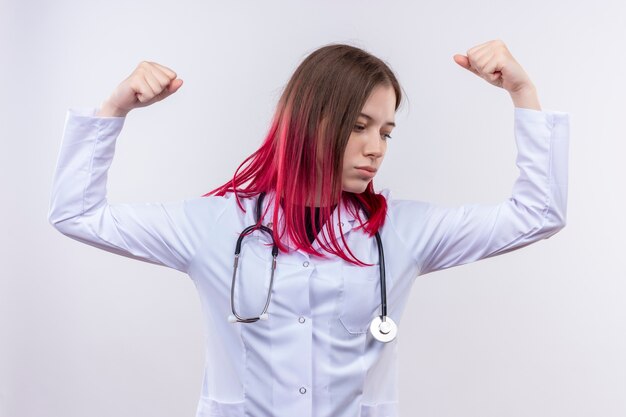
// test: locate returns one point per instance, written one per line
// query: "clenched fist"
(149, 82)
(493, 62)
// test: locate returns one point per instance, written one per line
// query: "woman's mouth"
(368, 172)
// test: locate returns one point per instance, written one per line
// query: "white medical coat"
(314, 355)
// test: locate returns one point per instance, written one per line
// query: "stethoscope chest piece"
(383, 331)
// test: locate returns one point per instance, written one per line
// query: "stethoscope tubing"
(382, 327)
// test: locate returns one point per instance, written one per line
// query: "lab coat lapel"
(341, 222)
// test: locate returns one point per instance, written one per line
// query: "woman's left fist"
(493, 62)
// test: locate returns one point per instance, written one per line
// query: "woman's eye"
(360, 128)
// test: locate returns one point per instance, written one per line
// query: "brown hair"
(315, 115)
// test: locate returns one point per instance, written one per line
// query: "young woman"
(302, 321)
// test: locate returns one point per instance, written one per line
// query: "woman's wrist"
(526, 98)
(108, 110)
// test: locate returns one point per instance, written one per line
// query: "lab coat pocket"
(360, 299)
(253, 277)
(209, 407)
(380, 410)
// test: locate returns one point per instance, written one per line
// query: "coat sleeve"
(160, 233)
(442, 237)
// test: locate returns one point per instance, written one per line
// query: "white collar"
(341, 220)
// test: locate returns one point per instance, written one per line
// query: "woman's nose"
(375, 147)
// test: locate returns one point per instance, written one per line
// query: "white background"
(538, 332)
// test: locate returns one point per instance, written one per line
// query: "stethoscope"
(382, 327)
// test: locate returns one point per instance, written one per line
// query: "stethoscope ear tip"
(264, 316)
(232, 318)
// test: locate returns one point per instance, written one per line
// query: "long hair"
(303, 150)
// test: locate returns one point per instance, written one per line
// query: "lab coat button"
(340, 224)
(301, 319)
(305, 264)
(302, 390)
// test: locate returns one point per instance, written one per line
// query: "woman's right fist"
(149, 82)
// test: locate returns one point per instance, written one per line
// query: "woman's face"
(368, 141)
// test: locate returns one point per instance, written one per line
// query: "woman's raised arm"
(161, 233)
(442, 237)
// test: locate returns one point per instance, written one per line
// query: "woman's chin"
(356, 188)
